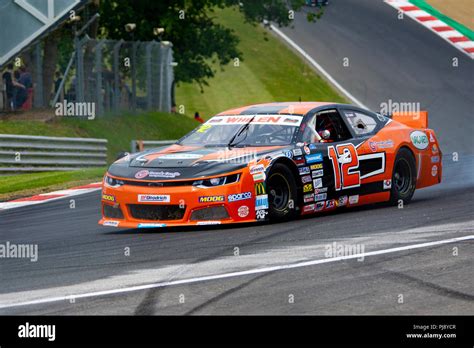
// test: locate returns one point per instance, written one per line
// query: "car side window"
(330, 120)
(361, 123)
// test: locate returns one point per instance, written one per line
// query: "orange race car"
(273, 161)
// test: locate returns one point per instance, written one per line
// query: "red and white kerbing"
(440, 28)
(52, 196)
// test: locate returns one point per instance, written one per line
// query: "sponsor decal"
(319, 206)
(150, 225)
(283, 120)
(299, 161)
(211, 199)
(308, 208)
(144, 173)
(306, 150)
(308, 198)
(419, 140)
(354, 199)
(108, 198)
(312, 146)
(261, 214)
(307, 188)
(342, 201)
(288, 154)
(305, 179)
(260, 168)
(316, 166)
(317, 157)
(317, 173)
(259, 177)
(210, 222)
(432, 139)
(180, 156)
(239, 196)
(111, 223)
(260, 188)
(434, 170)
(330, 204)
(243, 211)
(321, 190)
(317, 183)
(434, 159)
(141, 174)
(261, 202)
(385, 144)
(434, 148)
(297, 152)
(387, 184)
(304, 170)
(154, 198)
(320, 197)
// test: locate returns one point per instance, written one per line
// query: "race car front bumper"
(134, 206)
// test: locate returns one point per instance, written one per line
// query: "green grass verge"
(16, 186)
(119, 130)
(269, 72)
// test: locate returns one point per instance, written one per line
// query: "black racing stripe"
(362, 190)
(264, 109)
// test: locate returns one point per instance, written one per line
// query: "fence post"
(98, 69)
(39, 77)
(134, 75)
(80, 70)
(149, 47)
(116, 93)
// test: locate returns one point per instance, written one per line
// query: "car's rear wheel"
(403, 177)
(282, 193)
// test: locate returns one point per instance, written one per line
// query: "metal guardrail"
(141, 145)
(27, 153)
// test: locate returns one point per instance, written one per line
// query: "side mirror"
(325, 134)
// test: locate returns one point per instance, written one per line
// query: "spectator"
(9, 86)
(25, 77)
(20, 94)
(198, 118)
(57, 81)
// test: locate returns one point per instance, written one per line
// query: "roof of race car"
(294, 108)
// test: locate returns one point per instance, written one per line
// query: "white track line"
(235, 274)
(317, 66)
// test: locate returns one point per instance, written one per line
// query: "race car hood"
(184, 162)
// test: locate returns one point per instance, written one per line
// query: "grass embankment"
(269, 72)
(12, 187)
(118, 130)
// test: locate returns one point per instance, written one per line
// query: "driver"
(309, 134)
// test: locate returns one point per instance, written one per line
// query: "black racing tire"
(282, 193)
(403, 177)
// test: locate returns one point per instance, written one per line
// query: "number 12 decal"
(345, 163)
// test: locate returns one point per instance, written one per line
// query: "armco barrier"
(140, 145)
(27, 153)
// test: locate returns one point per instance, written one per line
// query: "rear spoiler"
(416, 119)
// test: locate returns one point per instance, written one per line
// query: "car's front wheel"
(403, 177)
(282, 193)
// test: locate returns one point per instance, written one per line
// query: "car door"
(333, 163)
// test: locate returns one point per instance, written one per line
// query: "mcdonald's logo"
(260, 188)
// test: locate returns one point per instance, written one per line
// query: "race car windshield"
(263, 130)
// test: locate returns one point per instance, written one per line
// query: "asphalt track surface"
(82, 267)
